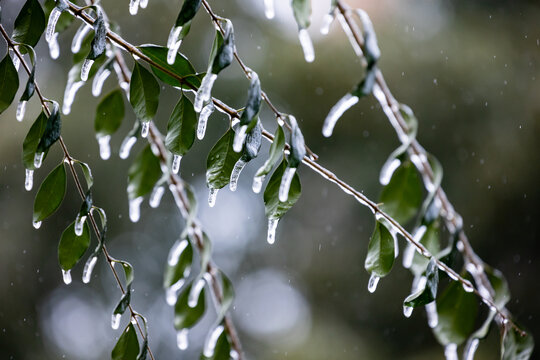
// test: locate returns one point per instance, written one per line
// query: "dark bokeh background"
(469, 69)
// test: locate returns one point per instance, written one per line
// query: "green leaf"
(109, 113)
(30, 87)
(128, 272)
(9, 82)
(381, 251)
(87, 203)
(87, 172)
(127, 347)
(500, 286)
(253, 104)
(143, 93)
(99, 42)
(181, 67)
(50, 193)
(516, 347)
(181, 127)
(298, 148)
(187, 12)
(302, 13)
(457, 310)
(431, 241)
(186, 316)
(31, 141)
(276, 152)
(29, 24)
(429, 292)
(143, 174)
(51, 134)
(71, 247)
(123, 303)
(402, 197)
(173, 273)
(275, 209)
(223, 55)
(220, 162)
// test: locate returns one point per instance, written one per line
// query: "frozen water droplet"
(79, 224)
(155, 196)
(69, 95)
(193, 297)
(135, 209)
(432, 315)
(388, 170)
(468, 287)
(176, 251)
(21, 107)
(335, 113)
(143, 4)
(171, 294)
(210, 344)
(235, 174)
(470, 349)
(66, 276)
(373, 282)
(212, 194)
(327, 21)
(272, 226)
(29, 179)
(97, 84)
(203, 94)
(257, 184)
(145, 128)
(173, 43)
(239, 137)
(269, 10)
(88, 269)
(51, 24)
(85, 69)
(104, 142)
(182, 339)
(450, 352)
(78, 38)
(133, 7)
(38, 159)
(36, 224)
(203, 120)
(307, 45)
(126, 146)
(115, 321)
(54, 47)
(407, 311)
(175, 167)
(285, 184)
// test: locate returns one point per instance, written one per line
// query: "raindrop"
(468, 287)
(171, 294)
(307, 45)
(79, 224)
(432, 315)
(239, 138)
(143, 4)
(29, 179)
(257, 184)
(285, 184)
(193, 297)
(269, 10)
(66, 276)
(36, 224)
(133, 7)
(104, 142)
(373, 282)
(21, 107)
(450, 352)
(407, 311)
(54, 47)
(272, 226)
(175, 167)
(327, 21)
(88, 269)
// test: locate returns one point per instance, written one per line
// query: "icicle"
(307, 45)
(408, 256)
(233, 354)
(51, 25)
(176, 252)
(272, 226)
(54, 47)
(235, 174)
(155, 196)
(36, 224)
(193, 297)
(69, 95)
(173, 43)
(21, 107)
(79, 224)
(135, 209)
(133, 7)
(212, 197)
(172, 292)
(85, 69)
(126, 146)
(257, 184)
(203, 120)
(38, 159)
(407, 311)
(388, 170)
(432, 315)
(143, 4)
(470, 349)
(97, 84)
(182, 339)
(450, 352)
(327, 21)
(211, 341)
(335, 113)
(350, 35)
(239, 137)
(29, 179)
(104, 146)
(269, 10)
(175, 167)
(78, 38)
(145, 128)
(373, 282)
(88, 268)
(115, 321)
(285, 185)
(468, 287)
(203, 94)
(66, 275)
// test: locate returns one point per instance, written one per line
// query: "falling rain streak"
(235, 174)
(271, 234)
(29, 179)
(307, 45)
(285, 184)
(88, 269)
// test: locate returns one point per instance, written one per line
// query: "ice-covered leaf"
(186, 316)
(31, 141)
(516, 347)
(87, 172)
(9, 82)
(29, 24)
(222, 49)
(30, 87)
(51, 134)
(72, 247)
(50, 193)
(177, 264)
(65, 18)
(181, 127)
(381, 251)
(143, 93)
(275, 153)
(127, 347)
(220, 162)
(143, 174)
(123, 303)
(298, 147)
(221, 350)
(429, 292)
(302, 13)
(109, 113)
(252, 145)
(253, 104)
(274, 208)
(99, 43)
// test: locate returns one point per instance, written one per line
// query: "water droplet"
(203, 119)
(85, 69)
(66, 276)
(407, 311)
(373, 282)
(135, 209)
(335, 113)
(145, 128)
(182, 339)
(272, 226)
(79, 37)
(175, 167)
(176, 251)
(104, 142)
(155, 196)
(36, 224)
(203, 94)
(212, 195)
(450, 352)
(51, 24)
(88, 269)
(79, 224)
(210, 343)
(38, 159)
(115, 321)
(193, 297)
(257, 184)
(285, 184)
(235, 174)
(388, 170)
(126, 146)
(29, 179)
(21, 107)
(133, 7)
(327, 21)
(173, 43)
(307, 45)
(432, 315)
(97, 84)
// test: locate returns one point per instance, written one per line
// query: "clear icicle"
(307, 45)
(97, 84)
(54, 47)
(38, 159)
(327, 21)
(51, 25)
(155, 196)
(21, 108)
(36, 224)
(285, 184)
(388, 170)
(335, 113)
(28, 179)
(432, 315)
(85, 69)
(450, 352)
(135, 209)
(66, 276)
(203, 94)
(79, 224)
(182, 339)
(88, 269)
(173, 43)
(470, 349)
(407, 311)
(212, 195)
(171, 294)
(239, 138)
(104, 142)
(126, 146)
(373, 282)
(133, 7)
(272, 226)
(235, 174)
(269, 10)
(350, 35)
(145, 128)
(176, 251)
(257, 184)
(203, 120)
(193, 297)
(69, 95)
(78, 38)
(175, 167)
(210, 344)
(143, 4)
(115, 321)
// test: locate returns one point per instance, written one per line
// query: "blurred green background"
(469, 70)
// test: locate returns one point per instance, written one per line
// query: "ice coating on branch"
(88, 269)
(373, 282)
(272, 226)
(36, 224)
(327, 21)
(432, 315)
(239, 138)
(97, 84)
(182, 339)
(66, 276)
(28, 179)
(408, 254)
(235, 174)
(203, 94)
(155, 196)
(133, 7)
(257, 184)
(79, 224)
(78, 38)
(21, 108)
(176, 251)
(69, 95)
(193, 297)
(175, 167)
(285, 184)
(115, 321)
(468, 287)
(450, 352)
(85, 69)
(210, 344)
(54, 47)
(171, 294)
(104, 142)
(350, 36)
(173, 43)
(388, 170)
(307, 45)
(378, 93)
(38, 159)
(143, 4)
(145, 128)
(344, 104)
(470, 349)
(212, 195)
(407, 311)
(126, 146)
(51, 25)
(135, 209)
(269, 10)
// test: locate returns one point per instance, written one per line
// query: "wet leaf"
(109, 113)
(516, 347)
(143, 174)
(9, 82)
(51, 134)
(275, 153)
(29, 24)
(181, 128)
(429, 292)
(186, 316)
(143, 93)
(173, 273)
(50, 193)
(274, 208)
(99, 43)
(32, 139)
(71, 247)
(127, 347)
(302, 13)
(187, 12)
(381, 251)
(220, 162)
